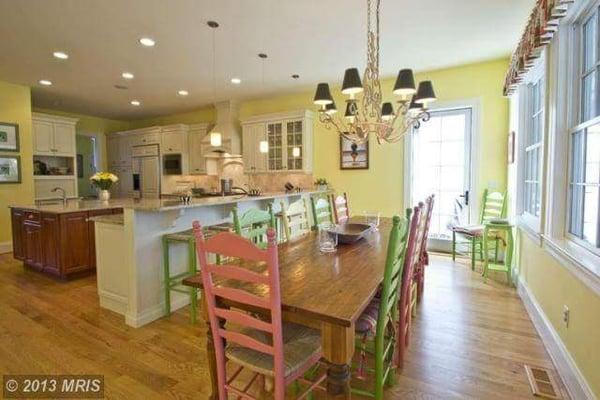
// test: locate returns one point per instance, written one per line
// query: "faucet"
(63, 194)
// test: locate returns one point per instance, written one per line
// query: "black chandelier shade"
(405, 83)
(323, 95)
(425, 93)
(331, 108)
(387, 111)
(350, 110)
(414, 106)
(352, 83)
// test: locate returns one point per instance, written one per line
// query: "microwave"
(172, 164)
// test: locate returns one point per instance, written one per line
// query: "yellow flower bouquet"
(103, 180)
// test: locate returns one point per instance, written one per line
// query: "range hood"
(228, 126)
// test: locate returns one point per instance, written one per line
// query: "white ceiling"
(316, 39)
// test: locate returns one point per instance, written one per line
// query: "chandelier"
(367, 114)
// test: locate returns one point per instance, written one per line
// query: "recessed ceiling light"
(236, 81)
(148, 42)
(135, 103)
(183, 92)
(127, 75)
(60, 54)
(45, 82)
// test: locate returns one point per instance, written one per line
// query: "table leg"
(338, 349)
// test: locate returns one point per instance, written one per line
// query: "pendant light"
(216, 139)
(263, 145)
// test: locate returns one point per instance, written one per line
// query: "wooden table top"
(334, 287)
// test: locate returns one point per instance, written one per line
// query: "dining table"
(325, 291)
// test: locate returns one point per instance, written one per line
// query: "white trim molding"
(5, 247)
(575, 383)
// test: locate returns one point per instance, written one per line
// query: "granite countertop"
(152, 205)
(115, 219)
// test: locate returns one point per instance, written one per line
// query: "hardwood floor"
(469, 340)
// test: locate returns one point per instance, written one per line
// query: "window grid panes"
(584, 175)
(533, 149)
(590, 68)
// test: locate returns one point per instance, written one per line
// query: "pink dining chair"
(424, 255)
(407, 292)
(341, 211)
(283, 352)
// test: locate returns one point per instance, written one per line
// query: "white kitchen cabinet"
(142, 139)
(119, 150)
(53, 135)
(254, 160)
(290, 142)
(196, 149)
(174, 139)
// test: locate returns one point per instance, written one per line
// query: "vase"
(322, 187)
(104, 195)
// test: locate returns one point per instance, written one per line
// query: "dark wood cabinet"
(51, 243)
(60, 244)
(32, 233)
(17, 234)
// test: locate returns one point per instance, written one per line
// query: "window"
(534, 137)
(584, 157)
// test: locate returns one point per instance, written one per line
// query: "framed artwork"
(9, 137)
(10, 169)
(352, 155)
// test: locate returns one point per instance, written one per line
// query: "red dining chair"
(341, 211)
(283, 352)
(407, 289)
(424, 255)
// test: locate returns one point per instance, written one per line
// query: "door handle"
(466, 197)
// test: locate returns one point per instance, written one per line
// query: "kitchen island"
(130, 255)
(58, 239)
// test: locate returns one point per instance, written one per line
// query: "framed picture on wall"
(10, 169)
(352, 155)
(9, 137)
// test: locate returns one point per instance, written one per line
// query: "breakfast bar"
(129, 249)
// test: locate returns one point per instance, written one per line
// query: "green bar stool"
(491, 234)
(173, 282)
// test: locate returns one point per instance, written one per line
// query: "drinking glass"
(328, 239)
(372, 219)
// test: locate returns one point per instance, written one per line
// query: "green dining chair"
(321, 209)
(376, 328)
(493, 207)
(253, 224)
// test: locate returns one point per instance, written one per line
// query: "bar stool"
(173, 282)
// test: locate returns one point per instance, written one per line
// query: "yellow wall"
(381, 186)
(554, 286)
(15, 107)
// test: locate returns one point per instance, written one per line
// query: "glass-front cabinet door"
(294, 145)
(275, 139)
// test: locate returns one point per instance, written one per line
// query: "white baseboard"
(155, 313)
(5, 247)
(572, 377)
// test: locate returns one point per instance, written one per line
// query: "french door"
(440, 164)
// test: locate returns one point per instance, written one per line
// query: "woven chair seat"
(469, 230)
(300, 344)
